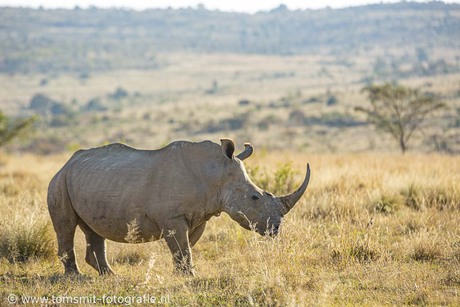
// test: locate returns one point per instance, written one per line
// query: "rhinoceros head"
(246, 203)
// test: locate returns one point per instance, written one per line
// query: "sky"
(223, 5)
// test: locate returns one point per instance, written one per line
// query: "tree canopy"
(9, 128)
(398, 110)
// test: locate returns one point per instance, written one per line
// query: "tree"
(9, 129)
(398, 110)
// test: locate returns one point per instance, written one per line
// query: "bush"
(297, 117)
(237, 122)
(21, 242)
(281, 182)
(440, 198)
(385, 204)
(357, 247)
(119, 94)
(40, 103)
(413, 199)
(59, 109)
(44, 105)
(332, 100)
(46, 145)
(94, 105)
(244, 102)
(131, 257)
(10, 129)
(425, 251)
(333, 119)
(284, 179)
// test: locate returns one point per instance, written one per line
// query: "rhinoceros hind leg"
(66, 251)
(95, 250)
(195, 235)
(64, 221)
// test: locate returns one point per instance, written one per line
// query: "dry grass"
(373, 229)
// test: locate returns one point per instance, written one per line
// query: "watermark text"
(105, 299)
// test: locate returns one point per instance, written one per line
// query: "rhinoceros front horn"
(290, 200)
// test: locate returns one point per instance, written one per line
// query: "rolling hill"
(41, 40)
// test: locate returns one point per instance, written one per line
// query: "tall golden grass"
(372, 229)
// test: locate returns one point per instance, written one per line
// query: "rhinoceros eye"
(255, 197)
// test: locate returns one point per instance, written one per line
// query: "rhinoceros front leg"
(177, 238)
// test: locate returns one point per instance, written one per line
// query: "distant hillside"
(103, 39)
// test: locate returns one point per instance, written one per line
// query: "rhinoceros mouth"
(271, 231)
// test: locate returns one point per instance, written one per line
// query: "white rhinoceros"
(169, 193)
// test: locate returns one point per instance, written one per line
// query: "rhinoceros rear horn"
(288, 201)
(228, 148)
(248, 150)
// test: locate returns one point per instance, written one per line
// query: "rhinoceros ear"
(228, 148)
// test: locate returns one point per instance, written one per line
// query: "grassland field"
(375, 227)
(372, 229)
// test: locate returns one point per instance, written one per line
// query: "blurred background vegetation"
(280, 78)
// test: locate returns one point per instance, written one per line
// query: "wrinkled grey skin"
(169, 193)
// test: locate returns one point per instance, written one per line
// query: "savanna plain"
(375, 227)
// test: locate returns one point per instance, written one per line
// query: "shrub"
(444, 198)
(297, 117)
(412, 198)
(359, 249)
(236, 122)
(425, 248)
(425, 252)
(332, 100)
(119, 94)
(283, 179)
(41, 103)
(131, 257)
(12, 128)
(440, 198)
(244, 102)
(58, 108)
(21, 242)
(420, 298)
(281, 182)
(385, 204)
(94, 105)
(452, 278)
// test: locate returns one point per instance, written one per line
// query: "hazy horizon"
(234, 6)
